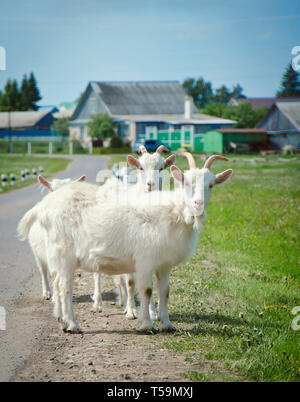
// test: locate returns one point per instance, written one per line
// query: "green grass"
(232, 302)
(14, 164)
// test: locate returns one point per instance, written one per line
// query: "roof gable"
(23, 119)
(133, 98)
(292, 112)
(291, 116)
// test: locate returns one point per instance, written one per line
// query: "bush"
(116, 142)
(101, 126)
(78, 148)
(109, 150)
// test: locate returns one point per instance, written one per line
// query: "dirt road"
(19, 277)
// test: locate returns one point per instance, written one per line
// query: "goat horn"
(142, 150)
(213, 158)
(161, 148)
(190, 158)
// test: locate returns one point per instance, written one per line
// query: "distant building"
(282, 123)
(259, 102)
(65, 109)
(145, 110)
(231, 139)
(27, 125)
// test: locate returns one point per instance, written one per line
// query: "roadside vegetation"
(14, 164)
(232, 302)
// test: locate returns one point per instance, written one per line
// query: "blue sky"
(67, 43)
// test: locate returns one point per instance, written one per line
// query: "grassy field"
(14, 164)
(232, 302)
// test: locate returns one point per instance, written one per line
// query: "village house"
(32, 125)
(282, 123)
(145, 110)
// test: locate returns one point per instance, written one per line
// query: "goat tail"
(25, 224)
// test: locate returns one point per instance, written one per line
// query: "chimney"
(188, 104)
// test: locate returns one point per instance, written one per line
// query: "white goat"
(150, 167)
(37, 236)
(115, 239)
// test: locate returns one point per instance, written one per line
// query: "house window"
(162, 126)
(141, 128)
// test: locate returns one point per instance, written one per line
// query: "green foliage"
(25, 98)
(290, 85)
(109, 150)
(116, 141)
(243, 114)
(101, 126)
(61, 126)
(10, 99)
(203, 94)
(200, 90)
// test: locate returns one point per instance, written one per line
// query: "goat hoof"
(72, 328)
(167, 328)
(131, 315)
(97, 309)
(47, 296)
(147, 329)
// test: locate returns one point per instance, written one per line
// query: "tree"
(200, 90)
(290, 85)
(13, 99)
(222, 95)
(61, 126)
(101, 126)
(244, 115)
(214, 109)
(25, 96)
(237, 92)
(33, 93)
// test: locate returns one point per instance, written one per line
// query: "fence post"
(71, 147)
(50, 148)
(29, 148)
(91, 147)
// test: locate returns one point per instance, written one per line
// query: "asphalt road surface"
(19, 275)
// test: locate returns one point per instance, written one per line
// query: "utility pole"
(9, 132)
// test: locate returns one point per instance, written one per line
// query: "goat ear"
(170, 161)
(44, 182)
(133, 162)
(177, 174)
(222, 177)
(81, 178)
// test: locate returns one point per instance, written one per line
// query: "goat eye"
(141, 169)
